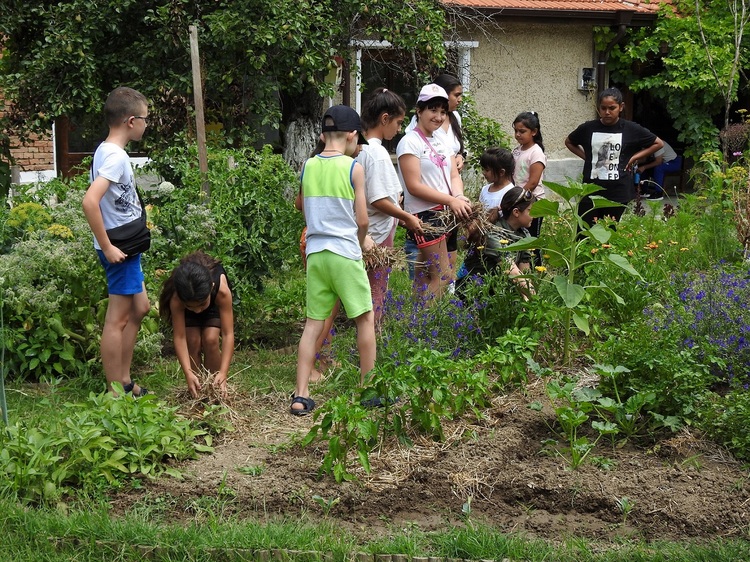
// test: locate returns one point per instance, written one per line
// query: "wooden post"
(200, 122)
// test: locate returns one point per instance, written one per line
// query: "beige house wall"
(535, 67)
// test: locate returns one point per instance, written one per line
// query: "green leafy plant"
(573, 251)
(326, 504)
(624, 505)
(572, 406)
(508, 359)
(347, 427)
(97, 443)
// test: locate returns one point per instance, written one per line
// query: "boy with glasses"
(111, 201)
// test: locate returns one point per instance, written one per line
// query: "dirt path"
(680, 488)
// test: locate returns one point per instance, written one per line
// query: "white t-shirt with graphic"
(120, 204)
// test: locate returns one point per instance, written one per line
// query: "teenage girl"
(382, 117)
(514, 219)
(610, 146)
(198, 300)
(530, 163)
(432, 182)
(451, 134)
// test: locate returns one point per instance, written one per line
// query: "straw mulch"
(393, 463)
(210, 395)
(379, 257)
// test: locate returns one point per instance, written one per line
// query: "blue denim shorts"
(125, 278)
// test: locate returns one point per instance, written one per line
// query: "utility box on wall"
(586, 79)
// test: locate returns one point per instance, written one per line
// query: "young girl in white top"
(382, 117)
(497, 168)
(530, 163)
(432, 182)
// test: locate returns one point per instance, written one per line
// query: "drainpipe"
(623, 20)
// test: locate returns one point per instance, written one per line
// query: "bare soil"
(680, 488)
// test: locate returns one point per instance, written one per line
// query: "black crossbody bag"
(133, 237)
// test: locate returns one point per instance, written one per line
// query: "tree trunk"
(300, 126)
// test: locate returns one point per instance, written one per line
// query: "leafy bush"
(50, 296)
(248, 222)
(725, 419)
(480, 132)
(712, 316)
(96, 443)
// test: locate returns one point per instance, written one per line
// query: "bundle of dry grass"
(210, 395)
(382, 256)
(446, 221)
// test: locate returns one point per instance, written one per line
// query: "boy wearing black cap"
(333, 198)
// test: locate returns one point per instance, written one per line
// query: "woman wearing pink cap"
(431, 183)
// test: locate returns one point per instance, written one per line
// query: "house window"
(378, 65)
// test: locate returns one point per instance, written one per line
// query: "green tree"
(264, 62)
(691, 63)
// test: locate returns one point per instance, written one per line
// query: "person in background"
(489, 255)
(661, 162)
(610, 147)
(197, 299)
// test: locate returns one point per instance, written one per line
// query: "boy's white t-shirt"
(433, 175)
(491, 199)
(381, 182)
(120, 204)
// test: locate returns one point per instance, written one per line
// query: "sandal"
(308, 405)
(128, 388)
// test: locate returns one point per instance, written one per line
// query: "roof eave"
(604, 17)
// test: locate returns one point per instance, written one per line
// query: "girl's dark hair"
(530, 119)
(610, 93)
(516, 198)
(498, 160)
(448, 82)
(381, 101)
(192, 280)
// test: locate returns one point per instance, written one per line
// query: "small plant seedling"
(255, 470)
(694, 462)
(625, 505)
(326, 504)
(225, 491)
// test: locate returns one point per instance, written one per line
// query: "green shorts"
(331, 277)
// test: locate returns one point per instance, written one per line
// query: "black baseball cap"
(343, 118)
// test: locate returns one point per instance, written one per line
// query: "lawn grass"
(89, 535)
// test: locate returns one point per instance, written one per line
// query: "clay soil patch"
(680, 488)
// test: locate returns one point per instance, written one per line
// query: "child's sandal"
(128, 388)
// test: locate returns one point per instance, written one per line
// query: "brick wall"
(36, 155)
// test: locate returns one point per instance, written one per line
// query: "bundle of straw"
(446, 221)
(210, 395)
(383, 256)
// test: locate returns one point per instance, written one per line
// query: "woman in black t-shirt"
(610, 146)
